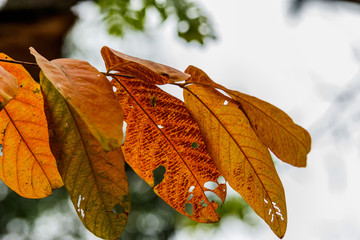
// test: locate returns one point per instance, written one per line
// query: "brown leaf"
(146, 70)
(95, 179)
(238, 153)
(162, 137)
(27, 165)
(288, 141)
(90, 94)
(8, 87)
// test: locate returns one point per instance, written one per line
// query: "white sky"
(298, 64)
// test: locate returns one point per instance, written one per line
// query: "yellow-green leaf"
(146, 70)
(95, 179)
(8, 87)
(90, 94)
(288, 141)
(27, 165)
(162, 137)
(238, 153)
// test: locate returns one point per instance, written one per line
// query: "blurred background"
(300, 55)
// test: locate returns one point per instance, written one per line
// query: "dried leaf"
(238, 153)
(146, 70)
(162, 137)
(27, 165)
(8, 87)
(90, 94)
(95, 179)
(276, 130)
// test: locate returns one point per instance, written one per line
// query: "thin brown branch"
(19, 62)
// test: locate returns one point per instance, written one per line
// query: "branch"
(18, 62)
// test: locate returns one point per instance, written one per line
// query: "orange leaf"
(276, 130)
(8, 87)
(162, 137)
(95, 179)
(90, 94)
(152, 72)
(238, 153)
(27, 165)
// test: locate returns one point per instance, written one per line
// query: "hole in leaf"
(190, 197)
(191, 189)
(212, 197)
(225, 103)
(189, 208)
(1, 150)
(125, 198)
(158, 175)
(203, 203)
(160, 126)
(223, 92)
(221, 180)
(114, 89)
(211, 185)
(124, 131)
(194, 145)
(118, 209)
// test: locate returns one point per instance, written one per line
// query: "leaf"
(146, 70)
(276, 130)
(8, 87)
(90, 94)
(238, 153)
(161, 137)
(27, 165)
(95, 179)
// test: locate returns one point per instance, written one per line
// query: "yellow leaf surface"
(8, 87)
(27, 165)
(162, 135)
(95, 179)
(238, 153)
(149, 71)
(288, 141)
(90, 94)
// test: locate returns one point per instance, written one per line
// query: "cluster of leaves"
(193, 25)
(68, 130)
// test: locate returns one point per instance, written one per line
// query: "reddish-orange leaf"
(162, 137)
(27, 165)
(240, 156)
(95, 179)
(146, 70)
(90, 94)
(288, 141)
(8, 87)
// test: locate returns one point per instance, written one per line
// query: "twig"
(18, 62)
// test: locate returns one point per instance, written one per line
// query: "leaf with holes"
(238, 153)
(95, 179)
(8, 87)
(164, 146)
(276, 130)
(90, 94)
(27, 165)
(139, 68)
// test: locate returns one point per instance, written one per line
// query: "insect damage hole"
(158, 174)
(225, 103)
(221, 180)
(211, 185)
(212, 197)
(118, 209)
(1, 150)
(189, 209)
(194, 145)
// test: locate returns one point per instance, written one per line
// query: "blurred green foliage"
(124, 15)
